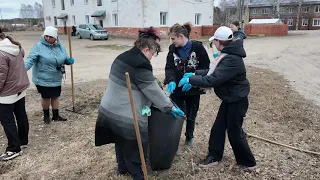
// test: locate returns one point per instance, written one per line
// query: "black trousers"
(191, 108)
(127, 165)
(230, 118)
(17, 134)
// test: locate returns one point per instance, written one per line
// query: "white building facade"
(123, 15)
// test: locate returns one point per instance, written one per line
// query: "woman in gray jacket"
(115, 121)
(13, 84)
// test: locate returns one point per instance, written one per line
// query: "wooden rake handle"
(136, 127)
(71, 67)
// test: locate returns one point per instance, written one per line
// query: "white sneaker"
(2, 155)
(10, 155)
(247, 168)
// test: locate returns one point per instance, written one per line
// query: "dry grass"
(66, 150)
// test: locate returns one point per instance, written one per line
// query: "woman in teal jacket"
(48, 58)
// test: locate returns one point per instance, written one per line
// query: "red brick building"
(309, 15)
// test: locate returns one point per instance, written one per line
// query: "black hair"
(236, 23)
(148, 39)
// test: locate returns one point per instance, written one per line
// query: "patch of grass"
(111, 46)
(66, 150)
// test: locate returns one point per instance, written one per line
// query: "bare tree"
(219, 17)
(298, 13)
(229, 11)
(38, 10)
(240, 10)
(26, 11)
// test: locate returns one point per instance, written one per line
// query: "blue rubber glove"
(176, 112)
(188, 75)
(186, 87)
(183, 81)
(69, 61)
(216, 54)
(171, 87)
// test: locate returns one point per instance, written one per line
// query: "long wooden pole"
(136, 127)
(72, 82)
(284, 145)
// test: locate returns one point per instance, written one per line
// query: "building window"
(55, 21)
(197, 19)
(87, 19)
(254, 11)
(74, 20)
(163, 18)
(290, 10)
(305, 9)
(317, 9)
(99, 2)
(316, 22)
(115, 19)
(290, 22)
(266, 11)
(62, 5)
(305, 22)
(101, 23)
(86, 1)
(53, 3)
(72, 2)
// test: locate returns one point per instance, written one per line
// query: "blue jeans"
(127, 166)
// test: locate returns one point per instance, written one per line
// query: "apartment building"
(124, 17)
(309, 15)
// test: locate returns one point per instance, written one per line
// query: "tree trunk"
(298, 15)
(273, 11)
(240, 11)
(278, 8)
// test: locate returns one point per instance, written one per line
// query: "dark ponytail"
(236, 23)
(184, 29)
(148, 39)
(3, 36)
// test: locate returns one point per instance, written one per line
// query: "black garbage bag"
(164, 131)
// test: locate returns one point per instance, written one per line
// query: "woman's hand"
(176, 112)
(69, 61)
(171, 87)
(183, 81)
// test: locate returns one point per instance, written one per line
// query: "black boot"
(46, 116)
(56, 116)
(189, 142)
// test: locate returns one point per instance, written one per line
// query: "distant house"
(309, 15)
(124, 17)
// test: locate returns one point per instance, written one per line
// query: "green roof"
(98, 13)
(62, 16)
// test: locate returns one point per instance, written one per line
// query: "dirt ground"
(284, 99)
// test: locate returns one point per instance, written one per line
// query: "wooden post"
(71, 66)
(136, 127)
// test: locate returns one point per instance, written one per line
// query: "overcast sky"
(10, 8)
